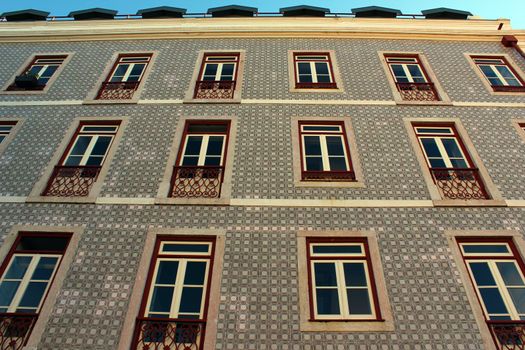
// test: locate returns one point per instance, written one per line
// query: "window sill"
(347, 326)
(424, 103)
(105, 102)
(192, 201)
(211, 100)
(46, 199)
(318, 90)
(24, 92)
(469, 203)
(331, 184)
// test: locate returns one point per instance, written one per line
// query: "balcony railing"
(502, 88)
(210, 89)
(315, 85)
(508, 335)
(197, 181)
(418, 91)
(328, 176)
(459, 183)
(168, 334)
(15, 330)
(71, 181)
(117, 90)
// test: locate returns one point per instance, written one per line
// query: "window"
(125, 77)
(448, 161)
(325, 154)
(313, 71)
(80, 165)
(6, 128)
(27, 274)
(217, 77)
(411, 79)
(199, 170)
(38, 73)
(341, 280)
(501, 76)
(174, 308)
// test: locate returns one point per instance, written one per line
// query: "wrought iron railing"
(502, 88)
(459, 183)
(418, 91)
(168, 334)
(71, 181)
(508, 335)
(328, 176)
(15, 330)
(197, 181)
(315, 85)
(117, 90)
(210, 89)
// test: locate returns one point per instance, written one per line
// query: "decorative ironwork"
(508, 335)
(211, 89)
(418, 91)
(117, 90)
(328, 175)
(15, 330)
(168, 334)
(197, 181)
(315, 85)
(459, 183)
(502, 88)
(72, 181)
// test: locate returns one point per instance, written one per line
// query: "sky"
(489, 9)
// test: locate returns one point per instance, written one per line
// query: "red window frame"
(209, 54)
(13, 87)
(418, 62)
(497, 88)
(299, 85)
(129, 55)
(11, 123)
(350, 172)
(373, 287)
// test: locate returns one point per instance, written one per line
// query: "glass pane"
(314, 164)
(312, 145)
(499, 318)
(452, 148)
(323, 79)
(434, 130)
(482, 274)
(191, 299)
(44, 269)
(73, 160)
(487, 70)
(358, 302)
(335, 146)
(195, 272)
(510, 274)
(493, 301)
(193, 145)
(415, 70)
(495, 82)
(50, 70)
(35, 69)
(190, 161)
(100, 128)
(459, 163)
(304, 68)
(26, 311)
(2, 137)
(305, 78)
(137, 69)
(399, 72)
(186, 247)
(215, 145)
(210, 71)
(437, 163)
(7, 292)
(337, 249)
(18, 267)
(431, 148)
(33, 294)
(121, 70)
(518, 298)
(227, 71)
(212, 161)
(102, 145)
(355, 275)
(81, 145)
(337, 164)
(321, 68)
(133, 78)
(167, 272)
(95, 160)
(485, 248)
(327, 302)
(504, 71)
(161, 300)
(513, 82)
(325, 275)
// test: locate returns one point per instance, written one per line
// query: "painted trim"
(333, 66)
(519, 125)
(12, 134)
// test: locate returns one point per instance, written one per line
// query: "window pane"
(399, 72)
(504, 71)
(325, 275)
(358, 302)
(337, 249)
(18, 267)
(210, 71)
(493, 301)
(191, 299)
(355, 275)
(73, 160)
(304, 68)
(7, 292)
(334, 145)
(33, 294)
(137, 69)
(35, 69)
(50, 70)
(167, 272)
(487, 70)
(190, 161)
(482, 274)
(193, 145)
(314, 164)
(102, 145)
(337, 164)
(437, 163)
(212, 161)
(510, 273)
(415, 70)
(430, 147)
(227, 70)
(161, 300)
(44, 269)
(495, 82)
(186, 247)
(459, 163)
(305, 78)
(121, 70)
(81, 145)
(195, 272)
(312, 145)
(94, 161)
(215, 145)
(323, 79)
(485, 248)
(321, 68)
(452, 148)
(327, 302)
(518, 298)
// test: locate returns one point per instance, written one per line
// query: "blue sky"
(513, 9)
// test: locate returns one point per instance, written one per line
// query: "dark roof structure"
(25, 15)
(162, 12)
(232, 11)
(445, 13)
(304, 11)
(93, 13)
(376, 12)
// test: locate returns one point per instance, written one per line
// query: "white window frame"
(232, 60)
(6, 133)
(58, 63)
(323, 144)
(204, 148)
(393, 60)
(134, 60)
(502, 79)
(439, 143)
(309, 59)
(95, 136)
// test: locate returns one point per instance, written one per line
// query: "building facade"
(262, 183)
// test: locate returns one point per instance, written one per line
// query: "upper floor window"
(449, 162)
(199, 170)
(124, 77)
(80, 164)
(217, 76)
(38, 73)
(341, 280)
(501, 76)
(313, 71)
(27, 274)
(411, 78)
(173, 312)
(325, 154)
(5, 129)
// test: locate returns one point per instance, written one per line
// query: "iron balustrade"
(197, 181)
(328, 176)
(459, 183)
(15, 329)
(71, 181)
(418, 91)
(502, 88)
(508, 335)
(123, 90)
(315, 85)
(214, 89)
(168, 334)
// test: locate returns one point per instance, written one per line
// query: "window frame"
(314, 84)
(405, 70)
(519, 125)
(333, 71)
(511, 64)
(505, 62)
